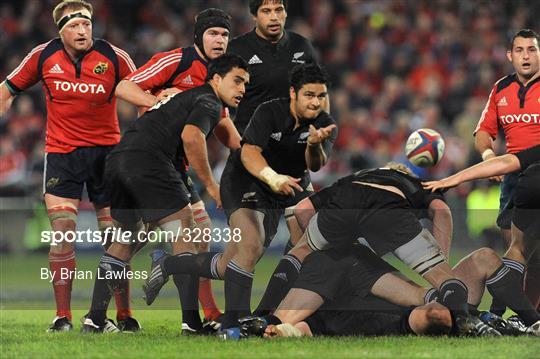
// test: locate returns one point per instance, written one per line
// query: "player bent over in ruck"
(145, 184)
(284, 139)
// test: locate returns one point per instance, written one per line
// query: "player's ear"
(509, 55)
(292, 93)
(217, 79)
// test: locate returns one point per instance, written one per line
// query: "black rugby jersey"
(159, 130)
(529, 156)
(272, 129)
(269, 66)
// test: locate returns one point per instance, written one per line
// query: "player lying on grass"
(341, 293)
(146, 187)
(526, 214)
(383, 206)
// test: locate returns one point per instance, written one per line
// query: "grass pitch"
(28, 306)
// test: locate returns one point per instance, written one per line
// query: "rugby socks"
(497, 304)
(532, 284)
(431, 295)
(109, 267)
(238, 283)
(207, 300)
(280, 283)
(62, 266)
(206, 297)
(202, 264)
(453, 295)
(506, 284)
(121, 298)
(188, 287)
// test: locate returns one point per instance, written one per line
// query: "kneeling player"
(145, 184)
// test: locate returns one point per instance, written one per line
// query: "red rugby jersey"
(182, 68)
(515, 108)
(81, 107)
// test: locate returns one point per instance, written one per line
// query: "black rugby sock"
(109, 267)
(188, 290)
(453, 295)
(202, 264)
(505, 284)
(238, 283)
(279, 285)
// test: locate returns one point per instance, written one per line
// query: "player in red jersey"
(78, 75)
(514, 106)
(178, 70)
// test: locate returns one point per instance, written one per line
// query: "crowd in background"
(396, 66)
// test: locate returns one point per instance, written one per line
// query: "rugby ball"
(424, 147)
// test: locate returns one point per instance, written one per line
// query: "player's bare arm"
(227, 134)
(5, 99)
(316, 158)
(254, 162)
(197, 155)
(441, 216)
(500, 165)
(131, 92)
(483, 142)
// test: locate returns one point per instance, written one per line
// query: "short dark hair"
(224, 64)
(254, 5)
(526, 33)
(307, 74)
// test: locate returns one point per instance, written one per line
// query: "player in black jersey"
(285, 138)
(526, 214)
(145, 186)
(381, 207)
(271, 52)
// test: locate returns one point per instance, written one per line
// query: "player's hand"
(168, 92)
(497, 179)
(213, 191)
(271, 332)
(285, 185)
(317, 136)
(447, 182)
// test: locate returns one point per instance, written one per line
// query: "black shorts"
(352, 211)
(143, 186)
(506, 201)
(377, 317)
(239, 189)
(182, 168)
(65, 174)
(320, 199)
(526, 215)
(341, 272)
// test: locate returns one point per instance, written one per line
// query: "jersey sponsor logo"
(522, 117)
(502, 102)
(276, 136)
(187, 80)
(79, 87)
(56, 69)
(296, 58)
(101, 68)
(254, 60)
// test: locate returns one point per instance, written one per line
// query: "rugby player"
(171, 72)
(526, 214)
(513, 107)
(144, 183)
(79, 74)
(285, 138)
(271, 52)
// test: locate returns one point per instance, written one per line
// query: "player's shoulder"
(504, 82)
(178, 52)
(50, 47)
(294, 36)
(280, 104)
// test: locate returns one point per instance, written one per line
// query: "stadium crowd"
(396, 66)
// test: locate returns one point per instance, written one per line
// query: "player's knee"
(485, 258)
(63, 216)
(303, 212)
